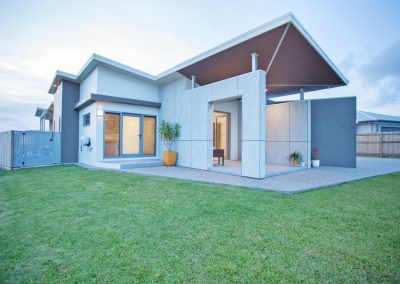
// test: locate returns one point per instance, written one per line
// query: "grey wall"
(69, 123)
(333, 131)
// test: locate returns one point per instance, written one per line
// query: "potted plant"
(295, 157)
(314, 157)
(168, 132)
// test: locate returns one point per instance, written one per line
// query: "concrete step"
(141, 164)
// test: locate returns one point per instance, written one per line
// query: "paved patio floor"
(288, 183)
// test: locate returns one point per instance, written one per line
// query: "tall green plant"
(168, 132)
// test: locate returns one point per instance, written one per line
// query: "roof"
(220, 58)
(364, 116)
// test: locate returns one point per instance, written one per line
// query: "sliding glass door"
(129, 135)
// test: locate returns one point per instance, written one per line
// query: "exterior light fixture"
(100, 112)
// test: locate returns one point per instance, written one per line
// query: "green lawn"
(68, 224)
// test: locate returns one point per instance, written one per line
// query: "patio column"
(193, 81)
(251, 87)
(254, 61)
(301, 94)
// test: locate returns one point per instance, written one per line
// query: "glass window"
(86, 119)
(112, 134)
(149, 135)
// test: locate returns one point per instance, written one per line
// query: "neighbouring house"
(369, 122)
(108, 113)
(45, 117)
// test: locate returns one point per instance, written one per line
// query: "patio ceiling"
(297, 62)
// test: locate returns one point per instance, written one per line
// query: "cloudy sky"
(39, 37)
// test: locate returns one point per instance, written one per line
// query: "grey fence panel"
(6, 149)
(36, 148)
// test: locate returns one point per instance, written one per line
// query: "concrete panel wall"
(333, 131)
(114, 83)
(193, 109)
(288, 129)
(57, 108)
(69, 123)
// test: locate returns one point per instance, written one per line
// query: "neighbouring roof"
(286, 50)
(46, 113)
(364, 116)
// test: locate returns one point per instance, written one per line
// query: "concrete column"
(301, 94)
(252, 89)
(193, 81)
(254, 61)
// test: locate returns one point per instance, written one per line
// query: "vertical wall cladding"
(69, 123)
(288, 130)
(333, 131)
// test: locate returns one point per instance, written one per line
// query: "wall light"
(100, 112)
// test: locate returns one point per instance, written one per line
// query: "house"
(108, 113)
(369, 122)
(45, 115)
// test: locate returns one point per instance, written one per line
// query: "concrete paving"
(288, 183)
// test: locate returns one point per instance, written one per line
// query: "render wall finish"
(231, 107)
(87, 155)
(69, 123)
(95, 131)
(114, 83)
(193, 109)
(57, 108)
(333, 131)
(89, 85)
(287, 130)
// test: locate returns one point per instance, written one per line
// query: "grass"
(68, 224)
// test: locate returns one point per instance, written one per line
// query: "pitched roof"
(259, 35)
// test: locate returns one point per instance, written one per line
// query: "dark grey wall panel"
(70, 123)
(333, 131)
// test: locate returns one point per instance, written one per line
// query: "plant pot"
(315, 163)
(169, 158)
(294, 163)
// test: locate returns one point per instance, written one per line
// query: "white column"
(301, 94)
(193, 81)
(254, 61)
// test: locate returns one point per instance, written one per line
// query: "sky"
(39, 37)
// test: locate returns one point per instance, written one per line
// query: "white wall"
(231, 107)
(96, 129)
(88, 154)
(89, 85)
(288, 129)
(118, 84)
(57, 108)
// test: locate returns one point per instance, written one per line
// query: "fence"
(29, 149)
(380, 144)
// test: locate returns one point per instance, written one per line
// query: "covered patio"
(259, 135)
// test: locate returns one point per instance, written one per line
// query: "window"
(112, 134)
(86, 119)
(149, 135)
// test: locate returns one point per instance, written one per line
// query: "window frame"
(84, 119)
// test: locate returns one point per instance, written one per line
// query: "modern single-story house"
(108, 113)
(369, 122)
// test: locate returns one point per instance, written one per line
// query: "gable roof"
(267, 33)
(364, 116)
